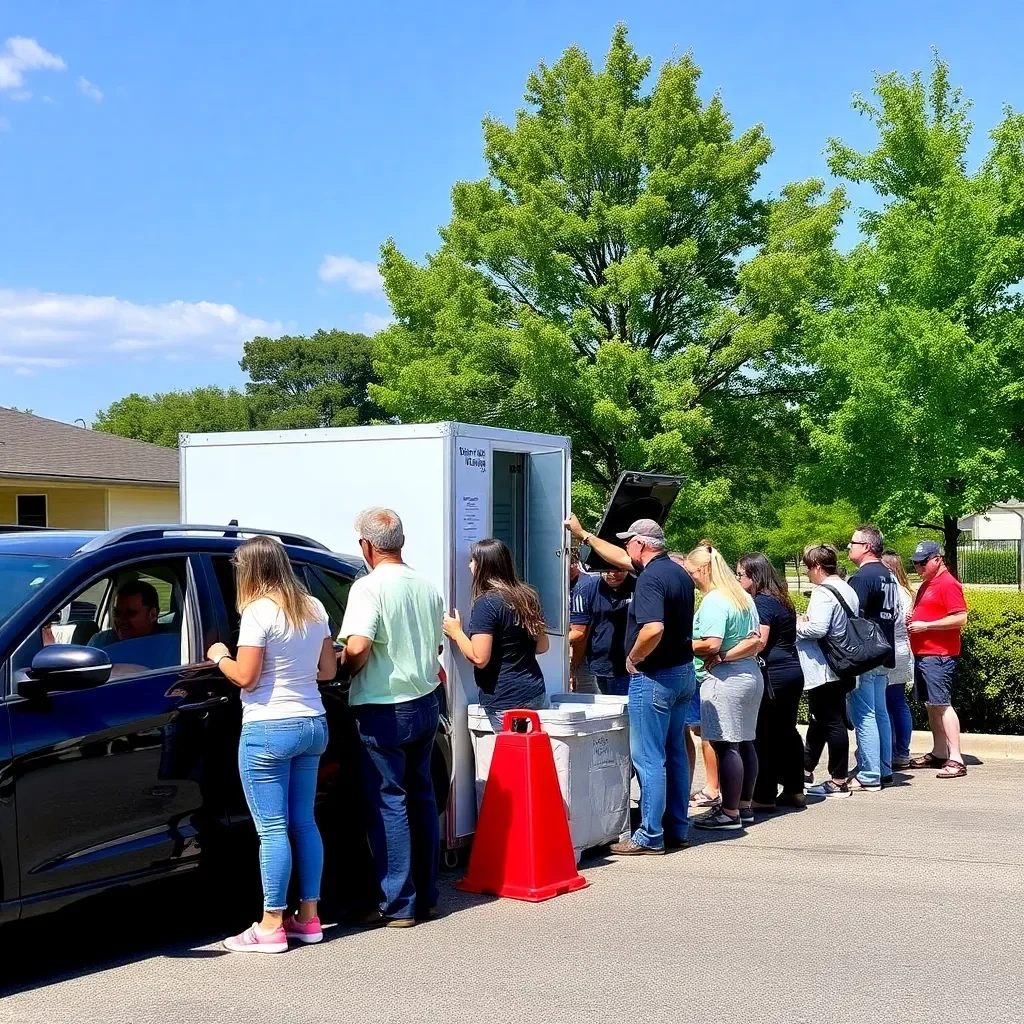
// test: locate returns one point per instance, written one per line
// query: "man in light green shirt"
(392, 635)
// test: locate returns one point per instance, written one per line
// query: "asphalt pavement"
(903, 907)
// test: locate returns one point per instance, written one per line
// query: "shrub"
(990, 687)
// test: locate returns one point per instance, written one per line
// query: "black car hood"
(636, 496)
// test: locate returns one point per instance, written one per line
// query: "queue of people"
(754, 659)
(732, 666)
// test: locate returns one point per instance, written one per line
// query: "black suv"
(118, 760)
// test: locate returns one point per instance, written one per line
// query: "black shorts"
(934, 678)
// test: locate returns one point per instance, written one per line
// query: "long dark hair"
(496, 572)
(765, 579)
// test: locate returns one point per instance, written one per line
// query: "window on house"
(31, 510)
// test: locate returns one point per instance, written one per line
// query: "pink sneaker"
(252, 940)
(309, 932)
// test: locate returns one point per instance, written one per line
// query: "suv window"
(332, 591)
(136, 613)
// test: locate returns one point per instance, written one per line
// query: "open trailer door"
(636, 496)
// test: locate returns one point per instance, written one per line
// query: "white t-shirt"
(287, 686)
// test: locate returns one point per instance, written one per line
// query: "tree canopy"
(317, 381)
(919, 418)
(614, 278)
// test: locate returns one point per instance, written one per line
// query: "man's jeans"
(657, 728)
(397, 743)
(278, 762)
(868, 712)
(901, 719)
(616, 686)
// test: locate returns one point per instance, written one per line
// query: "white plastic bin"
(590, 742)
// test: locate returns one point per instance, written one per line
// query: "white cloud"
(22, 96)
(88, 89)
(50, 330)
(374, 322)
(358, 275)
(20, 55)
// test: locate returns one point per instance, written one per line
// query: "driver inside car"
(136, 608)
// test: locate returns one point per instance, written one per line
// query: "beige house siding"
(92, 507)
(129, 506)
(71, 508)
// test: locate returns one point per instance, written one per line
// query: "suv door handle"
(204, 705)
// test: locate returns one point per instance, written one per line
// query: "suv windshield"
(21, 576)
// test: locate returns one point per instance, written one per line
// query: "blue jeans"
(867, 709)
(398, 740)
(657, 727)
(901, 719)
(616, 686)
(278, 762)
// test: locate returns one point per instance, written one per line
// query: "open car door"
(636, 496)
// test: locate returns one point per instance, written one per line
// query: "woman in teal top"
(726, 640)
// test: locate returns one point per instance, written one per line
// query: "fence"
(985, 562)
(989, 561)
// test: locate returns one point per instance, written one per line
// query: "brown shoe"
(791, 800)
(677, 844)
(400, 922)
(631, 849)
(375, 919)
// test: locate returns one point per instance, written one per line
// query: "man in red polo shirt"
(934, 625)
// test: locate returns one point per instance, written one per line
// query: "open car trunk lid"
(636, 496)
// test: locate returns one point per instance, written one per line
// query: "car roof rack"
(153, 532)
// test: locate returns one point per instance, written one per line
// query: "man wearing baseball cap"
(934, 625)
(659, 660)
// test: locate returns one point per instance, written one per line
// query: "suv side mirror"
(65, 667)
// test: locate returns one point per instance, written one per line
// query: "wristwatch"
(220, 658)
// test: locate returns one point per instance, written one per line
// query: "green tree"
(614, 278)
(920, 352)
(160, 418)
(320, 380)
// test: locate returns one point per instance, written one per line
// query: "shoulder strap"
(839, 598)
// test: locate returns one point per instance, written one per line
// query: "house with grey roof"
(58, 475)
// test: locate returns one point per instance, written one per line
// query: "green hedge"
(990, 688)
(987, 566)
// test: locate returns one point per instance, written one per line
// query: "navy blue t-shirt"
(878, 593)
(512, 677)
(606, 610)
(779, 654)
(664, 593)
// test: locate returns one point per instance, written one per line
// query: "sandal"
(958, 772)
(703, 798)
(928, 760)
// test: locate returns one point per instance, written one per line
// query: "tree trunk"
(950, 536)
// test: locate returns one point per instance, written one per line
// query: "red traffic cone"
(522, 848)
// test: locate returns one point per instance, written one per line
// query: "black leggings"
(826, 706)
(737, 771)
(780, 748)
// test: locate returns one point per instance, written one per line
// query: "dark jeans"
(617, 686)
(780, 749)
(826, 706)
(397, 743)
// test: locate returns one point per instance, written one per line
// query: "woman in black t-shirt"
(506, 632)
(780, 749)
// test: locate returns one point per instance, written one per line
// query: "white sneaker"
(829, 788)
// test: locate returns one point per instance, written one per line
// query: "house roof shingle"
(31, 446)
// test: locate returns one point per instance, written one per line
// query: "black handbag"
(860, 647)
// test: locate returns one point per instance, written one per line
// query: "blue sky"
(178, 177)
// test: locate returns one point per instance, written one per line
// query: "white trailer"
(452, 484)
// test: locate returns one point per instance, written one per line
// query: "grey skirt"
(730, 696)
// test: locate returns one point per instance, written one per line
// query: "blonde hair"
(262, 570)
(722, 577)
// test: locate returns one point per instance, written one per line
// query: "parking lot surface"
(903, 907)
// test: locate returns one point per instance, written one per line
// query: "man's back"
(878, 591)
(400, 611)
